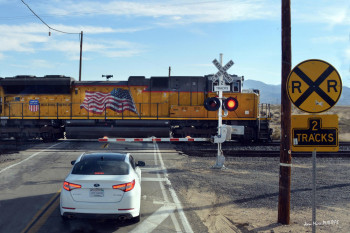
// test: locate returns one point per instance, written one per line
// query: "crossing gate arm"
(153, 139)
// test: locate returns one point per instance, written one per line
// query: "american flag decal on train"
(117, 100)
(33, 105)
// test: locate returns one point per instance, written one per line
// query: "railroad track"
(208, 149)
(259, 153)
(235, 149)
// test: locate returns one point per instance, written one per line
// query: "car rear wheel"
(136, 219)
(64, 218)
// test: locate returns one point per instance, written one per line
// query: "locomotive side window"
(236, 86)
(160, 83)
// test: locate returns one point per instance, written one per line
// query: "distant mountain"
(272, 93)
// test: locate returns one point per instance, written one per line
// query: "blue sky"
(126, 38)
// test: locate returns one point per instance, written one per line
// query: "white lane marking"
(166, 199)
(163, 203)
(150, 168)
(32, 156)
(153, 179)
(153, 221)
(153, 169)
(177, 202)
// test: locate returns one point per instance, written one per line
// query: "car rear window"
(101, 167)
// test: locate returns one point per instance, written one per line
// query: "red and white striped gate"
(153, 139)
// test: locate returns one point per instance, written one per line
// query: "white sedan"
(102, 185)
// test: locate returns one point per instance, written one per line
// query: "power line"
(51, 28)
(80, 34)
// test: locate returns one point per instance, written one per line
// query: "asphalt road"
(30, 187)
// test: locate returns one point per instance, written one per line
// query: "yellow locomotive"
(53, 107)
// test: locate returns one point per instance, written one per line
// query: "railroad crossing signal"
(314, 86)
(315, 133)
(213, 104)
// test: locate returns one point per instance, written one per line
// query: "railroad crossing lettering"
(315, 132)
(222, 71)
(314, 86)
(315, 135)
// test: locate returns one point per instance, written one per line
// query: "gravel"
(245, 194)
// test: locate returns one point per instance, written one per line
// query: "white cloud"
(25, 38)
(39, 63)
(85, 29)
(122, 53)
(181, 11)
(330, 39)
(20, 38)
(347, 54)
(41, 28)
(335, 15)
(20, 43)
(33, 38)
(106, 48)
(116, 48)
(130, 30)
(325, 12)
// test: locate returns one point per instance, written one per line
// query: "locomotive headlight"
(231, 104)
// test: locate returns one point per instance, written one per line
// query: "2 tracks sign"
(315, 132)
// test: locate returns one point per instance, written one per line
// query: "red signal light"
(231, 104)
(212, 104)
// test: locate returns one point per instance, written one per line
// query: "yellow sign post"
(314, 86)
(315, 133)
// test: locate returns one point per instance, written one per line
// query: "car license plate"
(96, 192)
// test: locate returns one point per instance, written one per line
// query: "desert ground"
(343, 113)
(243, 197)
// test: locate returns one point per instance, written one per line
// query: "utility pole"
(285, 150)
(81, 53)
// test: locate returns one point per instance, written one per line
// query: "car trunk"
(97, 188)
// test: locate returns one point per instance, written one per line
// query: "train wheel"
(47, 134)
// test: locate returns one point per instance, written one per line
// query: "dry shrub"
(343, 113)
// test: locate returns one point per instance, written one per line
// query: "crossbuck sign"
(314, 86)
(222, 71)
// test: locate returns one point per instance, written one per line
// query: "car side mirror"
(72, 162)
(140, 164)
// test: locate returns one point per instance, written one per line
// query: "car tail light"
(125, 187)
(70, 186)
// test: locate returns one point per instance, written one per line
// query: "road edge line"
(32, 156)
(184, 220)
